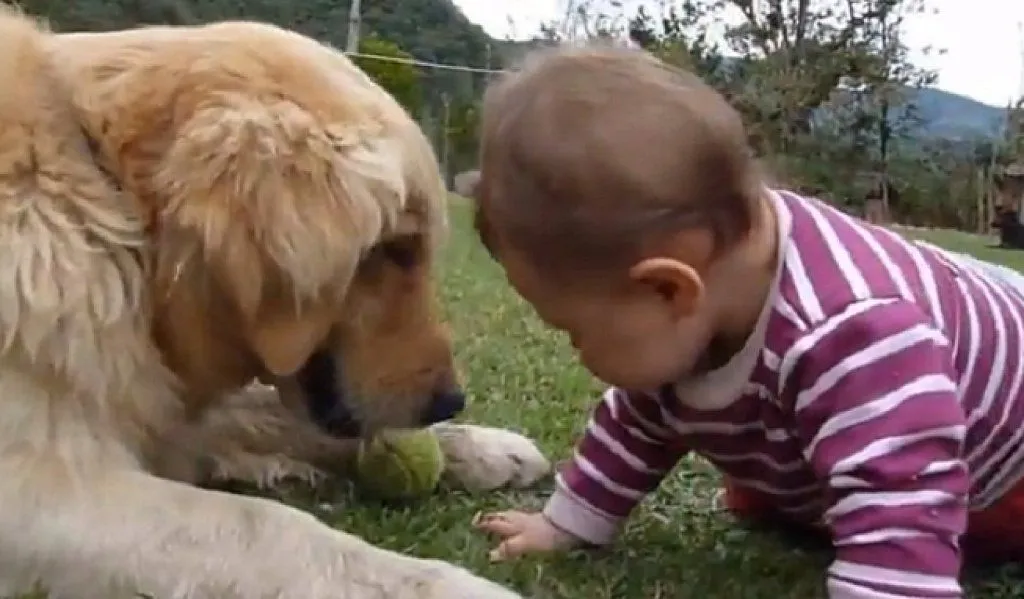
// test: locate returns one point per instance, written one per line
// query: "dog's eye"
(405, 252)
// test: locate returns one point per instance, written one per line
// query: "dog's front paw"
(442, 580)
(480, 458)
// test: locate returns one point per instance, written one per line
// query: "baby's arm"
(877, 408)
(624, 454)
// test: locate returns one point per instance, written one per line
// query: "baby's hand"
(523, 533)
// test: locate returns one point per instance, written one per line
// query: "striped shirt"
(880, 395)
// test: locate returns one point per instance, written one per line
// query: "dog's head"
(330, 281)
(387, 362)
(296, 210)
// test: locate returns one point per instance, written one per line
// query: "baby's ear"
(279, 211)
(677, 283)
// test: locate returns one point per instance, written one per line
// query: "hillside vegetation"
(829, 92)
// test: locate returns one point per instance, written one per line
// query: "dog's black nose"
(444, 406)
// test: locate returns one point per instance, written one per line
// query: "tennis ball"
(397, 465)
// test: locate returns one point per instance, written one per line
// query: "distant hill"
(945, 114)
(430, 30)
(952, 116)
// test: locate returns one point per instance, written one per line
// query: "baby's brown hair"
(588, 155)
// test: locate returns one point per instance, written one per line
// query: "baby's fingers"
(511, 549)
(503, 524)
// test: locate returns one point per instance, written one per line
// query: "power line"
(355, 21)
(424, 63)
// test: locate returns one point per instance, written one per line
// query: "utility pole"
(486, 78)
(445, 125)
(355, 21)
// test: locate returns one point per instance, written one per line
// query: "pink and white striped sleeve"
(877, 410)
(625, 453)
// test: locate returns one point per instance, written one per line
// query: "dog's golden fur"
(183, 210)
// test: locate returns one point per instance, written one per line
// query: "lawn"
(678, 546)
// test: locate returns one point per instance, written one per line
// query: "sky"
(982, 40)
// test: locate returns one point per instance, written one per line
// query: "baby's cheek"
(598, 365)
(616, 368)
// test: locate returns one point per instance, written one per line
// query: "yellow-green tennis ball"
(398, 465)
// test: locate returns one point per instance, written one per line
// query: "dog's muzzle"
(322, 382)
(444, 406)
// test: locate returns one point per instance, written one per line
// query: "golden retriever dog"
(184, 211)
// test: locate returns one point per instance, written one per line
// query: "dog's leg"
(114, 533)
(252, 437)
(480, 458)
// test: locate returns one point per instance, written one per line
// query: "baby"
(838, 375)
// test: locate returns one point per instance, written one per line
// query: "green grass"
(977, 246)
(677, 546)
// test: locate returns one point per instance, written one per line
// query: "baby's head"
(611, 184)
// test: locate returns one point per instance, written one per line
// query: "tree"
(399, 78)
(463, 133)
(681, 37)
(828, 92)
(784, 57)
(583, 21)
(882, 95)
(100, 15)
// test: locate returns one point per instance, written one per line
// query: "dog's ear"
(284, 338)
(278, 208)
